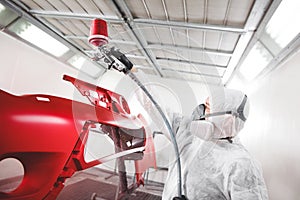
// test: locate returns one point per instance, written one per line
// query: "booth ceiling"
(194, 40)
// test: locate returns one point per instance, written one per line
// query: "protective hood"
(226, 125)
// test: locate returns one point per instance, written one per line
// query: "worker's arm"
(246, 181)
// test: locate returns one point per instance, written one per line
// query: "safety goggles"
(239, 112)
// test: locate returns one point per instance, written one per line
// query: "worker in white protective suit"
(215, 165)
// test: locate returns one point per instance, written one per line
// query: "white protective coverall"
(212, 168)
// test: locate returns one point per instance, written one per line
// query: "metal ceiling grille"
(186, 39)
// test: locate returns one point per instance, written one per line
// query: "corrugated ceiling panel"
(229, 41)
(160, 35)
(81, 44)
(239, 12)
(180, 37)
(56, 23)
(149, 33)
(221, 60)
(204, 79)
(136, 51)
(166, 53)
(90, 7)
(195, 38)
(165, 35)
(148, 71)
(140, 62)
(195, 11)
(158, 52)
(105, 8)
(193, 68)
(216, 11)
(137, 8)
(183, 55)
(129, 49)
(72, 27)
(82, 26)
(118, 32)
(59, 5)
(32, 5)
(45, 5)
(192, 77)
(75, 7)
(156, 9)
(212, 39)
(206, 58)
(175, 9)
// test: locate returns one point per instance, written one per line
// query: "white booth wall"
(272, 131)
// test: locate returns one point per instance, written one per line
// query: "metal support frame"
(193, 73)
(69, 15)
(191, 62)
(177, 24)
(125, 13)
(184, 48)
(83, 37)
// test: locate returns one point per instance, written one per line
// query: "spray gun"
(117, 60)
(112, 56)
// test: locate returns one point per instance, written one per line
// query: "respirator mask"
(218, 125)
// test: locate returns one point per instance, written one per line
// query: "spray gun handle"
(123, 59)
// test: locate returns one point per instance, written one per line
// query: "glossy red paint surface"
(47, 134)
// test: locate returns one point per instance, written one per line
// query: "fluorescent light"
(39, 38)
(77, 61)
(84, 65)
(284, 24)
(1, 8)
(257, 59)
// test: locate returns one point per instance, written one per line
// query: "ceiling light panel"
(33, 34)
(284, 24)
(84, 65)
(6, 16)
(257, 59)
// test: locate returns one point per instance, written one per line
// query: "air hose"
(173, 138)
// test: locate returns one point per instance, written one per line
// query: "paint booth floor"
(85, 184)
